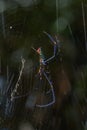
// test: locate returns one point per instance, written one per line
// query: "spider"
(43, 65)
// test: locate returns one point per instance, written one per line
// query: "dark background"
(22, 23)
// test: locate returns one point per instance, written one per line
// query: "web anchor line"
(84, 24)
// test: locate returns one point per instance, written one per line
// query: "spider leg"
(49, 59)
(54, 54)
(34, 49)
(54, 42)
(53, 95)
